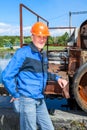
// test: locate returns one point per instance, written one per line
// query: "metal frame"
(21, 21)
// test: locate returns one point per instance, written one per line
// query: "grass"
(2, 49)
(54, 48)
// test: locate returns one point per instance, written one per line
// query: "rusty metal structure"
(77, 68)
(38, 17)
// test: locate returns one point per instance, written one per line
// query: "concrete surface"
(62, 120)
(69, 120)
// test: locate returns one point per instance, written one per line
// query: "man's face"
(39, 41)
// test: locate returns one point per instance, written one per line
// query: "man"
(25, 79)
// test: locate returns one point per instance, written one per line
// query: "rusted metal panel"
(53, 88)
(84, 56)
(73, 65)
(82, 36)
(75, 52)
(74, 60)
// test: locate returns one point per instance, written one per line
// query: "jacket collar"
(33, 47)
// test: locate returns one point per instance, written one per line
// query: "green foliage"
(27, 40)
(50, 40)
(8, 39)
(15, 40)
(60, 40)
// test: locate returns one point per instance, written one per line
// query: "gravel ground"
(62, 120)
(69, 120)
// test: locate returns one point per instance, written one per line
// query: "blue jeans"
(33, 113)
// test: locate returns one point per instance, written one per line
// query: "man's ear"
(31, 37)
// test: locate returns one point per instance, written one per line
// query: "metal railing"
(21, 20)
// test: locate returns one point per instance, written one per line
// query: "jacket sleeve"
(10, 72)
(52, 76)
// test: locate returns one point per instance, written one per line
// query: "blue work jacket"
(26, 74)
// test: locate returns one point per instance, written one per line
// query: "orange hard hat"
(40, 29)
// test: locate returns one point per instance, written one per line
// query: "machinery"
(77, 67)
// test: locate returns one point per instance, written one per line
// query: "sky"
(56, 12)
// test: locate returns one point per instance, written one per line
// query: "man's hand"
(65, 87)
(62, 82)
(13, 99)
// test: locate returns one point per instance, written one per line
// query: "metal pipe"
(21, 21)
(21, 27)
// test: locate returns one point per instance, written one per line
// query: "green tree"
(50, 40)
(62, 40)
(27, 40)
